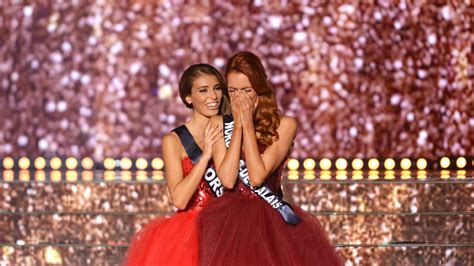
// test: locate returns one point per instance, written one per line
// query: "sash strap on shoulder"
(263, 191)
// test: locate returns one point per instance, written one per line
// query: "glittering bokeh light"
(100, 79)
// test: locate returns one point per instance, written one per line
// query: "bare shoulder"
(288, 123)
(170, 138)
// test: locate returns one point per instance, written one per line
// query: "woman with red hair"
(251, 224)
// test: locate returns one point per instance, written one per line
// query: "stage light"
(8, 175)
(24, 176)
(126, 163)
(389, 175)
(444, 162)
(142, 176)
(126, 175)
(341, 175)
(405, 163)
(141, 164)
(87, 176)
(52, 256)
(357, 175)
(157, 163)
(109, 175)
(40, 176)
(341, 164)
(357, 164)
(461, 174)
(71, 176)
(389, 164)
(309, 164)
(309, 175)
(71, 163)
(157, 175)
(8, 163)
(421, 164)
(373, 164)
(293, 175)
(325, 164)
(293, 164)
(55, 176)
(24, 163)
(87, 163)
(55, 163)
(461, 162)
(406, 174)
(421, 174)
(39, 163)
(373, 174)
(445, 174)
(325, 174)
(109, 163)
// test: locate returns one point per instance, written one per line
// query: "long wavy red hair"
(267, 115)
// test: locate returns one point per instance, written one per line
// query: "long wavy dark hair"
(267, 115)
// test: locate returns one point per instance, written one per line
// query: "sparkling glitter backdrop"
(99, 78)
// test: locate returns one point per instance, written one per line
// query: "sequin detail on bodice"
(203, 192)
(273, 182)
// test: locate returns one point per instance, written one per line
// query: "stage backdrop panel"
(99, 78)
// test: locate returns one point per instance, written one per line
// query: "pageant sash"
(263, 191)
(194, 153)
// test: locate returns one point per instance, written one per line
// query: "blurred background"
(363, 78)
(97, 82)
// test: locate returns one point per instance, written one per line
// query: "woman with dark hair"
(251, 224)
(187, 153)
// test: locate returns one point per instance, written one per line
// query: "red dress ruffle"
(171, 241)
(242, 229)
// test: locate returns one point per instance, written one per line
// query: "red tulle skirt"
(244, 230)
(166, 241)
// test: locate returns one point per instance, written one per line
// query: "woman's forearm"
(255, 165)
(229, 167)
(184, 190)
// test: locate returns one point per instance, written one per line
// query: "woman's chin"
(211, 113)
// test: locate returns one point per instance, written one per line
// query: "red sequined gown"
(171, 241)
(242, 229)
